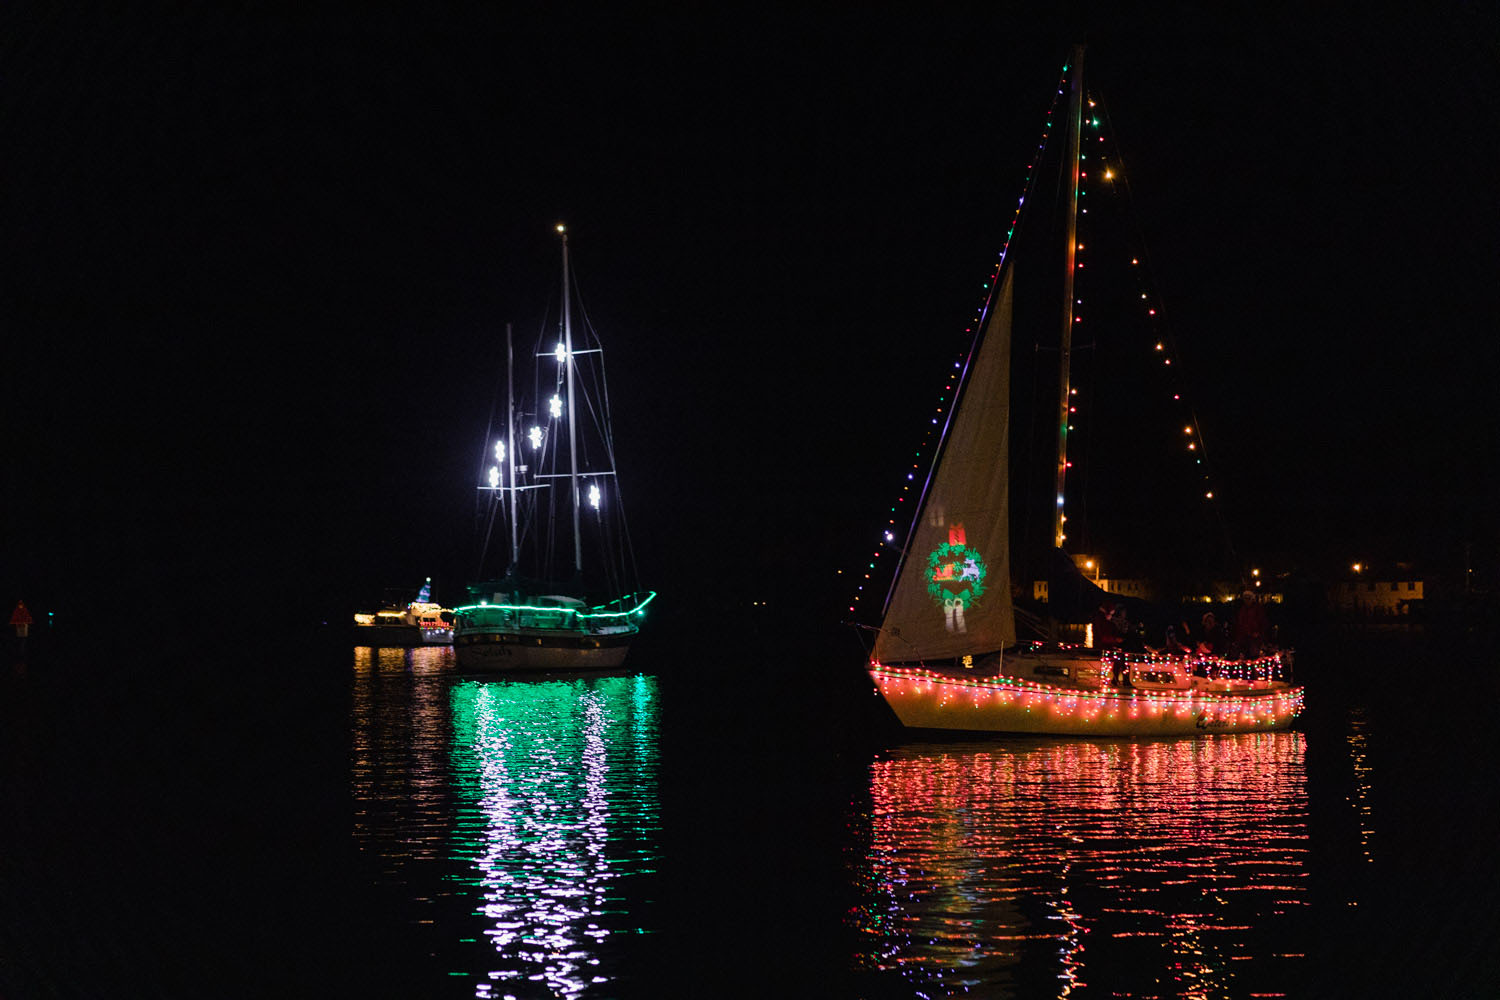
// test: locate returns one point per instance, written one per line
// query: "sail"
(952, 593)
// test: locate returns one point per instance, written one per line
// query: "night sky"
(256, 274)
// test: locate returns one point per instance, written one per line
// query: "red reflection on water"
(1105, 868)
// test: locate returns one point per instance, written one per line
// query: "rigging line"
(1027, 191)
(1148, 272)
(1160, 326)
(489, 431)
(607, 424)
(595, 395)
(484, 548)
(628, 554)
(600, 383)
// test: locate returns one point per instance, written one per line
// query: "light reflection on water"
(1361, 796)
(548, 825)
(1174, 868)
(537, 800)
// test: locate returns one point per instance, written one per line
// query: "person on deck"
(1106, 633)
(1132, 637)
(1251, 627)
(1213, 641)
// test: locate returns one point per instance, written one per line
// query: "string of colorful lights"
(1270, 667)
(1153, 305)
(955, 374)
(1112, 171)
(916, 691)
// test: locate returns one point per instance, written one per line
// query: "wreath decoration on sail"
(955, 571)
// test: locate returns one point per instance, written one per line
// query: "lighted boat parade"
(947, 654)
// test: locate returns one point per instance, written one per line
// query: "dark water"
(325, 821)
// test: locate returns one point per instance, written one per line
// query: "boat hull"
(401, 636)
(933, 700)
(496, 651)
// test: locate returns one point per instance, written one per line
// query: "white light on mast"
(494, 477)
(556, 406)
(535, 437)
(499, 451)
(561, 354)
(594, 496)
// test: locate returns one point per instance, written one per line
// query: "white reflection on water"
(1102, 868)
(519, 818)
(557, 802)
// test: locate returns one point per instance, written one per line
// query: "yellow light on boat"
(1187, 430)
(561, 228)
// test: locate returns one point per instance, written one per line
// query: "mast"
(567, 312)
(510, 447)
(1075, 127)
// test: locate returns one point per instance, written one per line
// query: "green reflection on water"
(556, 785)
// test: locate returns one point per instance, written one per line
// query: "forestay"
(952, 596)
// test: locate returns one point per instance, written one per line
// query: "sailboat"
(566, 600)
(946, 654)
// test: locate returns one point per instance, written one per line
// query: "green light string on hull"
(591, 613)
